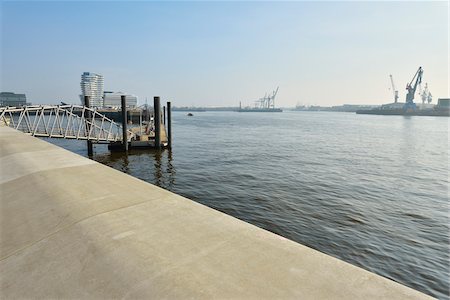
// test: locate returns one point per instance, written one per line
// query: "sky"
(219, 53)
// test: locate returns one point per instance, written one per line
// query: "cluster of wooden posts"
(158, 144)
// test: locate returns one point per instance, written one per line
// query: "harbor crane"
(411, 88)
(394, 90)
(273, 96)
(425, 94)
(268, 101)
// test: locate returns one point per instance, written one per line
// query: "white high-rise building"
(92, 86)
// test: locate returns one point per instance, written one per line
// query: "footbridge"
(63, 121)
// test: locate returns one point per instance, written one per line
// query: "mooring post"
(157, 120)
(123, 103)
(169, 125)
(164, 115)
(87, 117)
(140, 121)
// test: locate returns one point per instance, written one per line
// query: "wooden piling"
(88, 116)
(169, 125)
(164, 115)
(157, 121)
(140, 121)
(123, 103)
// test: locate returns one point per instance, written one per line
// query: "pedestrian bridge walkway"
(63, 121)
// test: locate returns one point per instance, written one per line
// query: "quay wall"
(74, 228)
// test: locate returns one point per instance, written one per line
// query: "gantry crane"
(394, 90)
(268, 101)
(273, 97)
(425, 94)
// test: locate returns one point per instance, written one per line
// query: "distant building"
(444, 103)
(352, 107)
(113, 99)
(12, 99)
(393, 105)
(92, 86)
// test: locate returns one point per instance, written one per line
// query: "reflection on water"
(170, 170)
(158, 173)
(151, 165)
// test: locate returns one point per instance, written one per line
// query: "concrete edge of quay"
(74, 228)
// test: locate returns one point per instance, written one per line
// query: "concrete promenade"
(73, 228)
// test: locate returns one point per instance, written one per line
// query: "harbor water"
(370, 190)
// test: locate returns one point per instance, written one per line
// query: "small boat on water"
(190, 114)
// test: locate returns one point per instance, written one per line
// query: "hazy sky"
(220, 53)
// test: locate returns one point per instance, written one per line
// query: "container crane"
(425, 94)
(273, 97)
(411, 88)
(394, 90)
(261, 102)
(268, 101)
(429, 97)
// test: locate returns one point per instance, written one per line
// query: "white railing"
(63, 121)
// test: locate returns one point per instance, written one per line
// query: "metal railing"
(63, 121)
